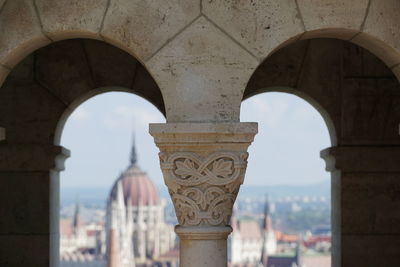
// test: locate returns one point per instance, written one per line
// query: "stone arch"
(62, 75)
(140, 29)
(360, 96)
(88, 95)
(378, 47)
(321, 70)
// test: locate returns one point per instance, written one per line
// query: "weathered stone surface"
(27, 196)
(63, 68)
(384, 51)
(281, 69)
(363, 196)
(202, 74)
(382, 23)
(320, 81)
(25, 157)
(359, 62)
(370, 111)
(370, 250)
(142, 27)
(24, 250)
(3, 74)
(64, 19)
(331, 15)
(110, 66)
(21, 32)
(145, 86)
(363, 159)
(396, 71)
(259, 25)
(30, 113)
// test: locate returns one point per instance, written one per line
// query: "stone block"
(64, 19)
(21, 32)
(260, 26)
(24, 250)
(381, 31)
(370, 203)
(143, 27)
(27, 198)
(207, 70)
(370, 250)
(332, 18)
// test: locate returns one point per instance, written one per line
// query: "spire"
(267, 229)
(133, 158)
(267, 220)
(76, 222)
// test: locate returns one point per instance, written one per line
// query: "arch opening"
(121, 207)
(284, 204)
(357, 94)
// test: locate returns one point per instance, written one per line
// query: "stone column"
(365, 205)
(29, 201)
(203, 166)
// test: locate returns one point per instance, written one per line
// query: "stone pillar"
(365, 205)
(203, 166)
(29, 201)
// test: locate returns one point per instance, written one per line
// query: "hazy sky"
(285, 151)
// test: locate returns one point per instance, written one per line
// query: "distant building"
(134, 235)
(249, 243)
(258, 245)
(135, 219)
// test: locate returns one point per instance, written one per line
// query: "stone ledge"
(32, 157)
(197, 133)
(362, 158)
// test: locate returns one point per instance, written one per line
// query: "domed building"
(136, 232)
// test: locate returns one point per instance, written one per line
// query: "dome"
(137, 187)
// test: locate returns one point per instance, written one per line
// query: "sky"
(99, 134)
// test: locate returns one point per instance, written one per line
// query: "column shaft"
(29, 200)
(365, 205)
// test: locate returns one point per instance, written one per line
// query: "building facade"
(197, 61)
(135, 233)
(135, 220)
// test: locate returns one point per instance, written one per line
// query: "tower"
(269, 244)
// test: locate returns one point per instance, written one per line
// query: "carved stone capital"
(203, 166)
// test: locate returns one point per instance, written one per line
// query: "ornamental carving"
(203, 190)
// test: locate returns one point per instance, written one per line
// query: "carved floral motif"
(203, 189)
